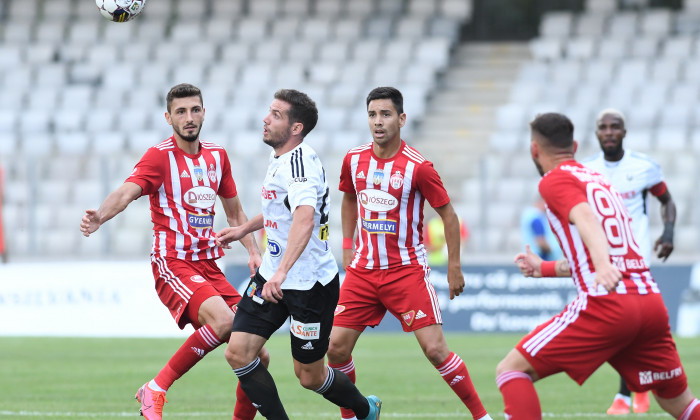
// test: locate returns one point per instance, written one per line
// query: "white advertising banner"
(95, 299)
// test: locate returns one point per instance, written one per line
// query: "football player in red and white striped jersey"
(182, 176)
(618, 316)
(385, 185)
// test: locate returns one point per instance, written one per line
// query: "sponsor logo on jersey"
(408, 317)
(274, 248)
(198, 173)
(255, 292)
(420, 314)
(307, 346)
(184, 174)
(396, 180)
(270, 224)
(297, 179)
(268, 194)
(456, 380)
(361, 175)
(338, 309)
(378, 177)
(200, 221)
(305, 331)
(200, 197)
(211, 173)
(197, 278)
(648, 376)
(377, 200)
(376, 226)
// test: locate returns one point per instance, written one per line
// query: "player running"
(385, 185)
(182, 177)
(618, 316)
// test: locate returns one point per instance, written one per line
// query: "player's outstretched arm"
(450, 222)
(235, 216)
(114, 204)
(593, 236)
(530, 264)
(227, 235)
(664, 245)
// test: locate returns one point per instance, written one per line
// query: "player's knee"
(264, 356)
(337, 352)
(436, 353)
(222, 324)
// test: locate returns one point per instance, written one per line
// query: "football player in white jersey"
(634, 175)
(298, 279)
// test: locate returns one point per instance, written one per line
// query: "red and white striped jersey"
(182, 189)
(390, 198)
(570, 184)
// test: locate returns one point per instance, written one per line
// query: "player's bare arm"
(299, 235)
(225, 236)
(664, 245)
(114, 204)
(588, 226)
(530, 264)
(348, 216)
(450, 221)
(235, 216)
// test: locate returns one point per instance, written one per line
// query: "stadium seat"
(591, 24)
(227, 9)
(581, 48)
(317, 29)
(189, 10)
(656, 22)
(17, 32)
(458, 9)
(297, 8)
(108, 143)
(252, 29)
(25, 10)
(412, 28)
(350, 28)
(286, 29)
(556, 24)
(546, 48)
(623, 25)
(336, 51)
(422, 8)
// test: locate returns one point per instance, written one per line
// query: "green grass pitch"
(62, 378)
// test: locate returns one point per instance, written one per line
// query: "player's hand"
(663, 248)
(90, 222)
(607, 276)
(272, 290)
(455, 278)
(529, 263)
(225, 236)
(347, 257)
(254, 262)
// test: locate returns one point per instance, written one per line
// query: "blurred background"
(82, 98)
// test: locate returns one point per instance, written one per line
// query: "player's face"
(186, 116)
(277, 129)
(384, 122)
(610, 132)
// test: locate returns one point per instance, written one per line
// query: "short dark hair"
(303, 109)
(183, 90)
(387, 92)
(556, 129)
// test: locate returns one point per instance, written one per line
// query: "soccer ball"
(120, 10)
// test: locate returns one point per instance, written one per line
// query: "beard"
(277, 140)
(538, 166)
(191, 138)
(613, 152)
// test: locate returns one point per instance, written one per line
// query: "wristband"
(347, 243)
(548, 269)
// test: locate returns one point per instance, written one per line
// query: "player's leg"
(253, 325)
(451, 367)
(515, 378)
(683, 407)
(336, 387)
(358, 307)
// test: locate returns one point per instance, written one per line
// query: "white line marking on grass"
(326, 415)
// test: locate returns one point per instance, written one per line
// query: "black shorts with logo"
(310, 314)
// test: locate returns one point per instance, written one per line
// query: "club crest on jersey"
(200, 197)
(211, 173)
(377, 200)
(255, 292)
(396, 180)
(408, 317)
(198, 173)
(274, 248)
(375, 226)
(197, 279)
(378, 177)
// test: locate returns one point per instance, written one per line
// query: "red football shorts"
(631, 332)
(182, 286)
(406, 292)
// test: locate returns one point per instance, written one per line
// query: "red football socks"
(454, 372)
(519, 396)
(347, 368)
(192, 351)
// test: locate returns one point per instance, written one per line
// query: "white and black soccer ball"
(120, 10)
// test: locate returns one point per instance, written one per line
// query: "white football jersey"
(632, 176)
(294, 179)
